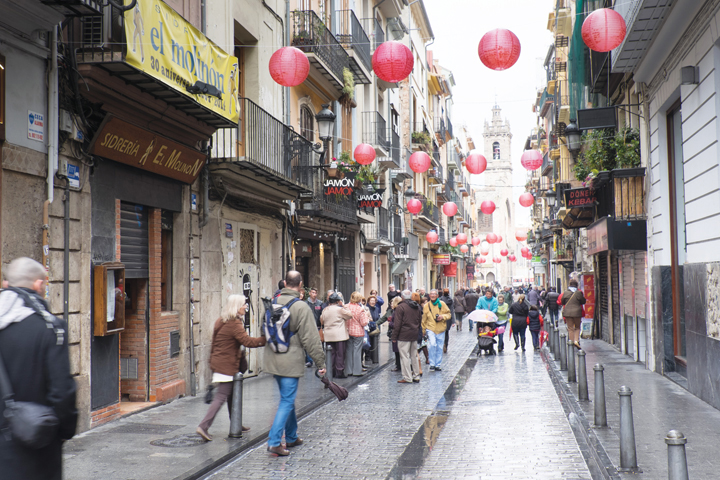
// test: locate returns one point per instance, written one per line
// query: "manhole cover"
(146, 428)
(186, 440)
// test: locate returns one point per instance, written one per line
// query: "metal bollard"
(571, 361)
(677, 461)
(600, 411)
(236, 413)
(328, 362)
(563, 352)
(551, 338)
(582, 377)
(628, 454)
(556, 346)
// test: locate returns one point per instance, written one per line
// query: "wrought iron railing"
(413, 246)
(341, 207)
(265, 143)
(310, 35)
(350, 33)
(436, 155)
(395, 147)
(374, 28)
(383, 222)
(397, 229)
(440, 126)
(442, 236)
(450, 128)
(429, 210)
(375, 129)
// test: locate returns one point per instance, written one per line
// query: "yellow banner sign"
(165, 46)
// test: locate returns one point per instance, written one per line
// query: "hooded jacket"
(470, 301)
(406, 321)
(535, 321)
(39, 371)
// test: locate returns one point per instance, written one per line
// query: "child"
(535, 323)
(485, 339)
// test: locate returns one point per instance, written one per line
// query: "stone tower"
(496, 184)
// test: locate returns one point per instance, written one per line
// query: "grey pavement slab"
(659, 405)
(132, 448)
(503, 420)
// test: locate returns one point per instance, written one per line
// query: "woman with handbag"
(356, 330)
(459, 307)
(519, 313)
(573, 301)
(226, 357)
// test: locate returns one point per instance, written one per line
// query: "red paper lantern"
(483, 260)
(521, 235)
(524, 251)
(476, 241)
(491, 238)
(461, 238)
(512, 258)
(504, 252)
(499, 239)
(487, 207)
(499, 49)
(526, 199)
(531, 159)
(464, 248)
(414, 206)
(478, 259)
(485, 250)
(496, 260)
(419, 162)
(289, 66)
(603, 30)
(364, 154)
(453, 242)
(432, 236)
(449, 209)
(392, 62)
(475, 163)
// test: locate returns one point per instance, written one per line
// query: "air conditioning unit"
(397, 28)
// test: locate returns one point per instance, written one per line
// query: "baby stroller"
(487, 330)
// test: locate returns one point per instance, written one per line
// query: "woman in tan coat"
(335, 331)
(573, 301)
(225, 357)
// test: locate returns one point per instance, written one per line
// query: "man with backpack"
(34, 356)
(285, 359)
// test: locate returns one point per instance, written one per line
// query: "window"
(496, 151)
(166, 261)
(306, 123)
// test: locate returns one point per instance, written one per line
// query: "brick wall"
(133, 344)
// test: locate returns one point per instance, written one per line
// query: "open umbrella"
(483, 318)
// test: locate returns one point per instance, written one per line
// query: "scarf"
(436, 302)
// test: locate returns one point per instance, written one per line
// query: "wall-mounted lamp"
(690, 75)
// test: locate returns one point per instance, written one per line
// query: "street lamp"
(573, 137)
(546, 224)
(409, 193)
(325, 119)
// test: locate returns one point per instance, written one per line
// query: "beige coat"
(333, 321)
(306, 337)
(428, 318)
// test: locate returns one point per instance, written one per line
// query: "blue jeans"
(535, 338)
(553, 315)
(285, 419)
(470, 322)
(435, 347)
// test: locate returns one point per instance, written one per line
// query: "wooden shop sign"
(140, 148)
(579, 197)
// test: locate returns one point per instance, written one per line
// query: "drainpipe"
(52, 150)
(205, 191)
(286, 90)
(203, 17)
(66, 253)
(284, 240)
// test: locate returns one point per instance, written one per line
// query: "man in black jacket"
(471, 300)
(406, 324)
(37, 362)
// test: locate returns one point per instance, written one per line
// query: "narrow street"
(487, 417)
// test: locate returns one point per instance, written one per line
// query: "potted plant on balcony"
(422, 138)
(365, 174)
(605, 150)
(347, 99)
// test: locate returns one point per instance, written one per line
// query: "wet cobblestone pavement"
(485, 418)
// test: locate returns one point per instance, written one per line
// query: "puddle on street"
(422, 443)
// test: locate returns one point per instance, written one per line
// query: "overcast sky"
(458, 26)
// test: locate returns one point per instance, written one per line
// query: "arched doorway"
(490, 278)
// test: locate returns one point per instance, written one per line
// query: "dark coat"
(551, 299)
(406, 321)
(535, 322)
(470, 301)
(391, 296)
(458, 305)
(317, 308)
(519, 312)
(39, 371)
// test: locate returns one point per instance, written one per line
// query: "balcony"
(374, 28)
(421, 138)
(327, 57)
(375, 133)
(546, 169)
(436, 156)
(395, 149)
(351, 35)
(442, 236)
(404, 172)
(101, 48)
(429, 213)
(449, 191)
(378, 234)
(261, 155)
(435, 176)
(454, 160)
(396, 229)
(316, 204)
(449, 130)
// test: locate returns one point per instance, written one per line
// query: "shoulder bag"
(30, 424)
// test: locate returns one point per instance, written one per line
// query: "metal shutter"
(134, 240)
(602, 288)
(615, 283)
(627, 285)
(640, 284)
